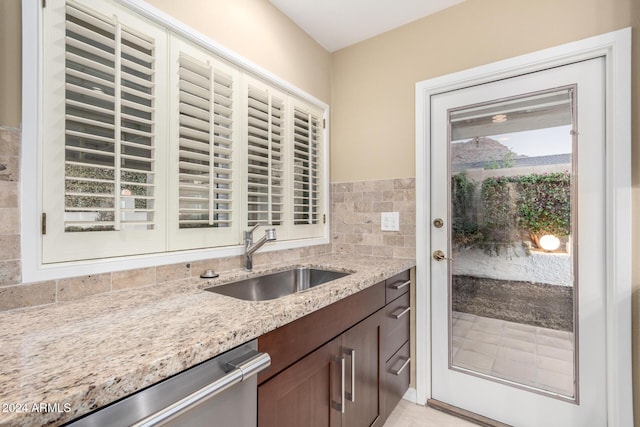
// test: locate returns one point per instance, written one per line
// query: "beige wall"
(255, 29)
(373, 120)
(10, 67)
(258, 31)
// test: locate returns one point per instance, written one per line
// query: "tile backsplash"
(355, 229)
(356, 209)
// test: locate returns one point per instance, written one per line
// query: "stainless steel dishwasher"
(219, 392)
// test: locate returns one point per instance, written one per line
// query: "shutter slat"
(205, 125)
(88, 63)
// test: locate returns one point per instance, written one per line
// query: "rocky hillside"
(478, 150)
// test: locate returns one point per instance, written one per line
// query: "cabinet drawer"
(396, 324)
(396, 378)
(397, 285)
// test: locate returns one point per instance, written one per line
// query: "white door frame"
(615, 47)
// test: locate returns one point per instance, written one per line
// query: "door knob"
(438, 255)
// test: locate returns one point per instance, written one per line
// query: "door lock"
(438, 255)
(438, 223)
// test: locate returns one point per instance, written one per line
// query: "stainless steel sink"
(276, 285)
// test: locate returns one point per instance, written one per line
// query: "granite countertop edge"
(62, 361)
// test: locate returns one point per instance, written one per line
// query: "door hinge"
(43, 225)
(44, 3)
(324, 123)
(324, 218)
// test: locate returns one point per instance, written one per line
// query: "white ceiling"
(339, 23)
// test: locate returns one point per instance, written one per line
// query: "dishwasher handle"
(240, 372)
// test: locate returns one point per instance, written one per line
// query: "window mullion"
(212, 115)
(118, 124)
(270, 159)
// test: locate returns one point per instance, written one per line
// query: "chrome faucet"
(250, 248)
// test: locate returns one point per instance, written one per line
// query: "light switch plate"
(390, 221)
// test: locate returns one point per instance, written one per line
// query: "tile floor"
(408, 414)
(530, 355)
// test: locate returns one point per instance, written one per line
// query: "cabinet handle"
(399, 285)
(240, 372)
(352, 354)
(340, 406)
(404, 365)
(403, 311)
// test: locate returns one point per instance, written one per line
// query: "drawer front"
(396, 324)
(396, 378)
(397, 285)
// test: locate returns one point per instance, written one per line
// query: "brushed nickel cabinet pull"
(399, 285)
(403, 311)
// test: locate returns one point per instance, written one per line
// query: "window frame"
(31, 208)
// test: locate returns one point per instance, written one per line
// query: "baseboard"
(411, 395)
(464, 414)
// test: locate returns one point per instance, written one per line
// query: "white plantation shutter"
(206, 145)
(151, 143)
(206, 101)
(265, 156)
(109, 139)
(307, 137)
(108, 132)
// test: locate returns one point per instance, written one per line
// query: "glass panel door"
(512, 280)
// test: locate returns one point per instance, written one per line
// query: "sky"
(541, 142)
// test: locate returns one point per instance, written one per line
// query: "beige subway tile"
(79, 287)
(362, 206)
(9, 168)
(408, 253)
(9, 246)
(133, 278)
(323, 249)
(382, 251)
(404, 183)
(8, 194)
(231, 263)
(360, 186)
(382, 207)
(410, 195)
(393, 196)
(393, 240)
(350, 198)
(409, 241)
(9, 142)
(337, 198)
(383, 184)
(343, 187)
(406, 207)
(9, 221)
(354, 218)
(342, 248)
(362, 228)
(27, 295)
(353, 238)
(10, 272)
(171, 272)
(372, 239)
(344, 228)
(372, 196)
(362, 250)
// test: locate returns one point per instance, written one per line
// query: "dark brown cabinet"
(395, 339)
(361, 347)
(338, 365)
(305, 394)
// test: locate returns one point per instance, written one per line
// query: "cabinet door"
(361, 347)
(306, 393)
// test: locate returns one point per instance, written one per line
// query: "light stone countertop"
(78, 356)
